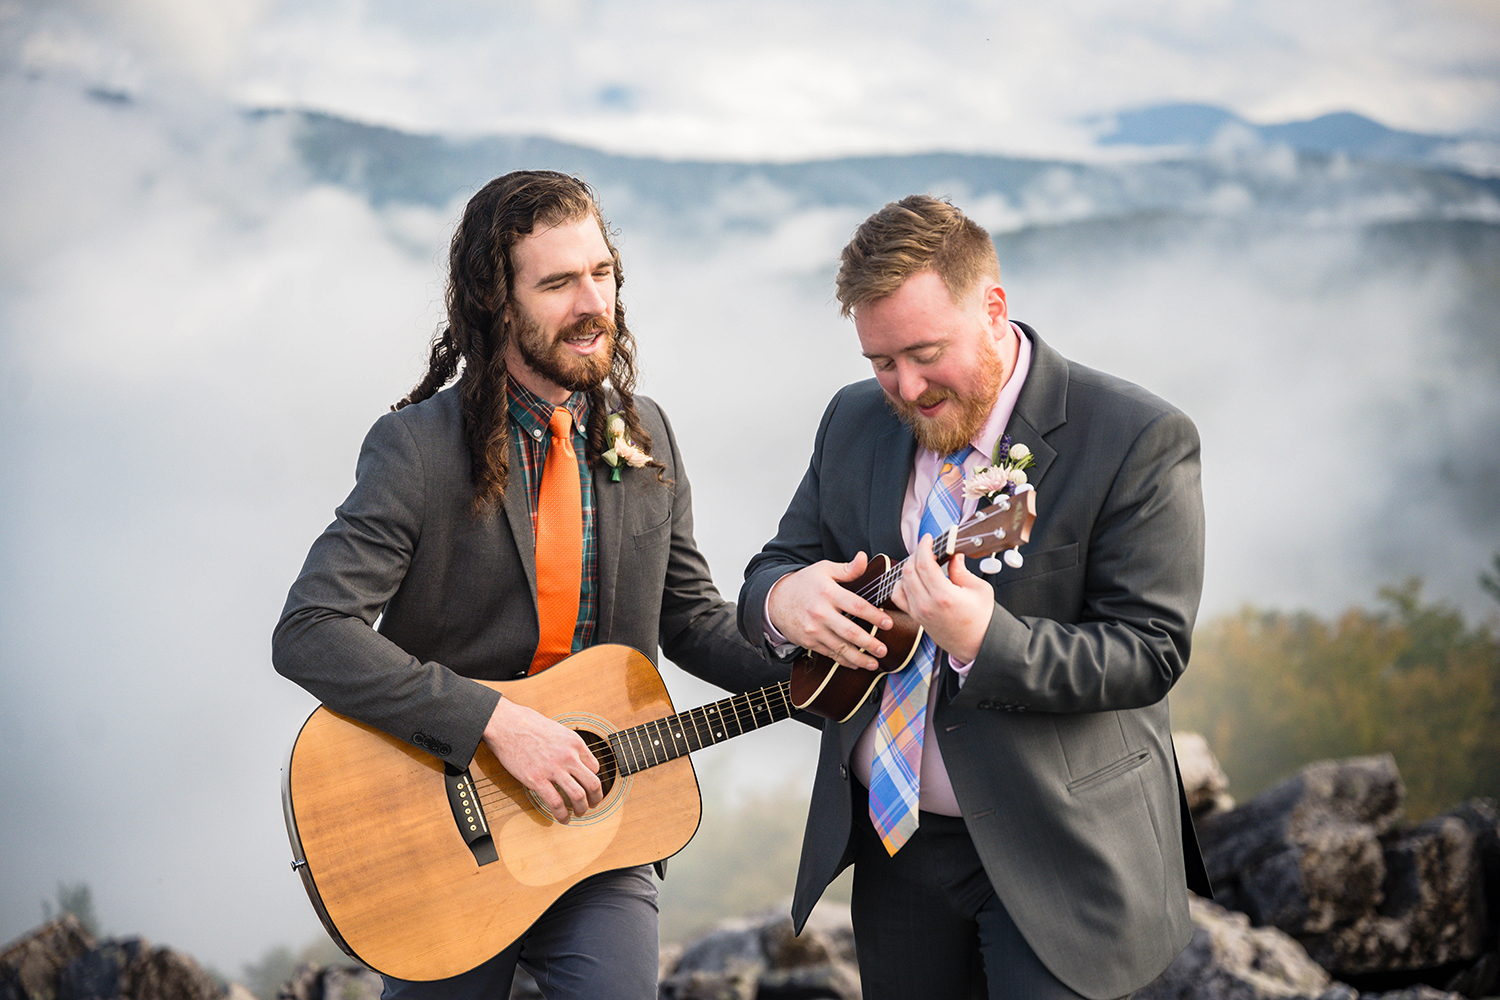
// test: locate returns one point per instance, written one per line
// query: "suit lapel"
(519, 515)
(890, 473)
(609, 527)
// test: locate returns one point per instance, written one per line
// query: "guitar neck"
(660, 740)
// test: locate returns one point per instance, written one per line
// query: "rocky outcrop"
(1324, 858)
(761, 959)
(62, 961)
(1321, 894)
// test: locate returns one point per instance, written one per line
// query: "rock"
(60, 961)
(1305, 856)
(1228, 959)
(760, 959)
(163, 974)
(99, 974)
(1204, 781)
(332, 982)
(30, 966)
(1431, 911)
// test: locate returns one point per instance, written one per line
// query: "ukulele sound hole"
(599, 747)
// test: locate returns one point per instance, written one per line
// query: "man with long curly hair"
(436, 548)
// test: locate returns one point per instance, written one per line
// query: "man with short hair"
(1009, 798)
(454, 539)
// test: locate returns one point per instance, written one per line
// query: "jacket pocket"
(1037, 563)
(1125, 764)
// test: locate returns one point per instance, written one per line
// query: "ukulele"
(824, 687)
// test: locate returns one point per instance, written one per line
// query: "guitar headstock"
(1002, 527)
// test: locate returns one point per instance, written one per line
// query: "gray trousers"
(599, 941)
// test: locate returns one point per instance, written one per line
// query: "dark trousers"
(929, 926)
(599, 941)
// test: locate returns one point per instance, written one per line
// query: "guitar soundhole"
(599, 747)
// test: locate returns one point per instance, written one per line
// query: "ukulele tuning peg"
(1013, 559)
(989, 564)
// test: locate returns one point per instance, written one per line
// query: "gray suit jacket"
(454, 594)
(1058, 744)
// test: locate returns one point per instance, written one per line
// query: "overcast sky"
(192, 341)
(787, 78)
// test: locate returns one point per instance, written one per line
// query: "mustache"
(588, 327)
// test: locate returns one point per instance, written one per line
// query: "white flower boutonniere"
(999, 482)
(621, 449)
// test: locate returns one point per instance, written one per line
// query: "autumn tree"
(1272, 691)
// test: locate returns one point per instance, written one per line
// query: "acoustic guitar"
(423, 871)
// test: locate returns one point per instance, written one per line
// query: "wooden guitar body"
(404, 886)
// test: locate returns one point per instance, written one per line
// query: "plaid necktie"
(895, 776)
(559, 545)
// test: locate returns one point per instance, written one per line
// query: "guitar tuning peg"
(989, 564)
(1013, 559)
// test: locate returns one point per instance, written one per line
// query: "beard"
(951, 432)
(550, 358)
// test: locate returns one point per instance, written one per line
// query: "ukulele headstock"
(1003, 527)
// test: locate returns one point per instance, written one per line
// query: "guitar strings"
(652, 749)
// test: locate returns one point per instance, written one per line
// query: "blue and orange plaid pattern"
(895, 775)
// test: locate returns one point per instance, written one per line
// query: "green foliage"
(77, 899)
(1272, 691)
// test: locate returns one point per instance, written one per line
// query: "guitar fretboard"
(661, 740)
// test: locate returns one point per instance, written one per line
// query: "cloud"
(788, 78)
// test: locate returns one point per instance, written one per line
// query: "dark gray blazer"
(454, 594)
(1058, 744)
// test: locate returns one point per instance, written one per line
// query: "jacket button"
(844, 772)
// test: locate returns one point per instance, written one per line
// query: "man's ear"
(994, 304)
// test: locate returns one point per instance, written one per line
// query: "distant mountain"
(1199, 126)
(700, 198)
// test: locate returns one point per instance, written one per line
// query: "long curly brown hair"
(480, 277)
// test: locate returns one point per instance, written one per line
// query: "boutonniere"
(999, 482)
(620, 447)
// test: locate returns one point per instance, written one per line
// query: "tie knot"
(561, 423)
(954, 462)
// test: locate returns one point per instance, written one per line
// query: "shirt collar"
(534, 414)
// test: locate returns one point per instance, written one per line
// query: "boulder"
(1305, 856)
(1204, 781)
(61, 961)
(1228, 959)
(332, 982)
(30, 966)
(760, 959)
(1323, 857)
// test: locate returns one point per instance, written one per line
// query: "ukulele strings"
(878, 591)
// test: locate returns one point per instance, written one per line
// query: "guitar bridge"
(468, 814)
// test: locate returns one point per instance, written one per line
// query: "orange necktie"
(559, 545)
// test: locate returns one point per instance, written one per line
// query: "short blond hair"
(917, 233)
